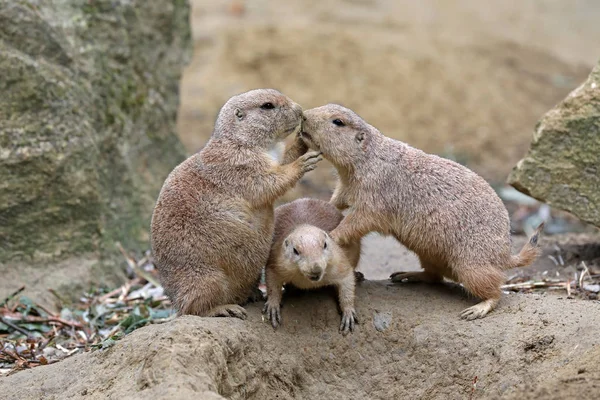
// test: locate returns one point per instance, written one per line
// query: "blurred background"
(467, 80)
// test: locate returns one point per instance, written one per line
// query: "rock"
(592, 288)
(382, 320)
(562, 167)
(428, 352)
(88, 103)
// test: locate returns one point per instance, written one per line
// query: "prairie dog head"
(338, 132)
(309, 249)
(260, 117)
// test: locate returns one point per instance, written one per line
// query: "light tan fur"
(213, 221)
(444, 212)
(304, 256)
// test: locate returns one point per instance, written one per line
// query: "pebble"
(382, 320)
(592, 288)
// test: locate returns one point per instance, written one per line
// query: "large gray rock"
(562, 167)
(88, 103)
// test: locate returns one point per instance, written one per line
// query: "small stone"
(49, 352)
(382, 320)
(592, 288)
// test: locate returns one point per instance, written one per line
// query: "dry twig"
(32, 335)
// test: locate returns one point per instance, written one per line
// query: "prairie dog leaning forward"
(445, 213)
(213, 221)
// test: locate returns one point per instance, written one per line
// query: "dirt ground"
(410, 344)
(466, 80)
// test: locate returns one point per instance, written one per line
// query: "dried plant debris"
(33, 335)
(583, 283)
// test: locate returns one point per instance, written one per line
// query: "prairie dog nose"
(315, 273)
(297, 109)
(317, 269)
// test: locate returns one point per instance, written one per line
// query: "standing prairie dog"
(213, 221)
(305, 256)
(444, 212)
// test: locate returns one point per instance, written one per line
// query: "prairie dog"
(213, 221)
(445, 213)
(305, 256)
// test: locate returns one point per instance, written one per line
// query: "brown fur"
(444, 212)
(303, 226)
(213, 222)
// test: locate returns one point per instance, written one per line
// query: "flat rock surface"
(423, 350)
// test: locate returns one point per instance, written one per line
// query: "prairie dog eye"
(296, 252)
(324, 245)
(267, 106)
(338, 122)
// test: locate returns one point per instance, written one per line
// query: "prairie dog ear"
(286, 243)
(239, 114)
(360, 136)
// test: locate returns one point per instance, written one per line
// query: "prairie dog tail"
(529, 252)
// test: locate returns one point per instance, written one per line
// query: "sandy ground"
(410, 344)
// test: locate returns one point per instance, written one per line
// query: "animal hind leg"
(430, 274)
(227, 310)
(483, 282)
(207, 297)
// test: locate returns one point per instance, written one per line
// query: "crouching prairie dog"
(444, 212)
(304, 256)
(213, 221)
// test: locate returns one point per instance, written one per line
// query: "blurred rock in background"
(562, 167)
